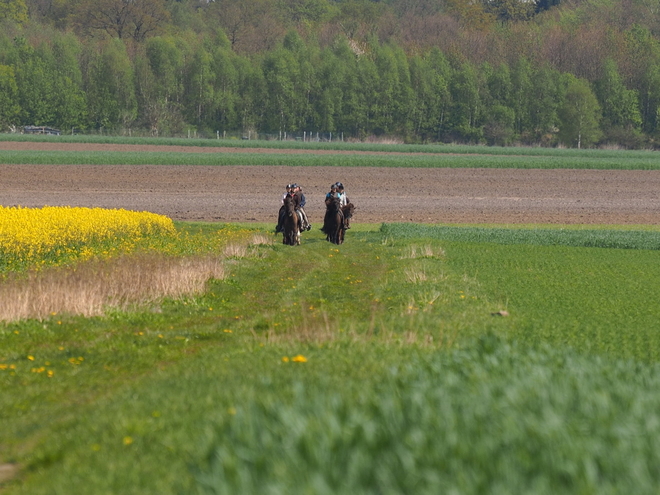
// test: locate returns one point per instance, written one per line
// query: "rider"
(299, 197)
(332, 193)
(280, 215)
(343, 201)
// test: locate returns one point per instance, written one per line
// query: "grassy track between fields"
(379, 364)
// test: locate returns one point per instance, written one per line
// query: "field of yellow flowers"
(33, 237)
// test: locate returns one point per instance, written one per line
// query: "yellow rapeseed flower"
(37, 235)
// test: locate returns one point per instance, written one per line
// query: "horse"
(348, 210)
(291, 234)
(333, 222)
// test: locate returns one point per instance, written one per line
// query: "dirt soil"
(252, 194)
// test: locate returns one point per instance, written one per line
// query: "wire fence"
(304, 136)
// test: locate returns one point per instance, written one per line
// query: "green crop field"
(427, 156)
(411, 359)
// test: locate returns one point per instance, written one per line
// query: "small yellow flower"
(128, 440)
(31, 358)
(299, 359)
(285, 359)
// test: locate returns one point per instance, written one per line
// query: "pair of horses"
(333, 222)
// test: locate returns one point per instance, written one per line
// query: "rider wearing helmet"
(300, 202)
(343, 201)
(332, 193)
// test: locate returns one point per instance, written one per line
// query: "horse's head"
(289, 205)
(333, 203)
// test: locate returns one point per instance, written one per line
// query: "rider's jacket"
(297, 199)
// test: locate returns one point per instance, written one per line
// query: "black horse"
(333, 222)
(291, 235)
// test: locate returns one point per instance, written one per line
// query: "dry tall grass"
(89, 288)
(92, 287)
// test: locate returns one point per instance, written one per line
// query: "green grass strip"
(339, 145)
(600, 238)
(327, 160)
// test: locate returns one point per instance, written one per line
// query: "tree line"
(165, 68)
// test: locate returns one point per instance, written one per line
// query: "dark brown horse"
(291, 235)
(348, 211)
(333, 222)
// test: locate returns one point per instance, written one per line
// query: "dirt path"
(252, 193)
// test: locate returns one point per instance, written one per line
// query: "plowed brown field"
(251, 193)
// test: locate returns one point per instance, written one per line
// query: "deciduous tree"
(579, 114)
(135, 19)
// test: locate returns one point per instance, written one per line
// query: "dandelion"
(31, 358)
(299, 359)
(128, 440)
(285, 359)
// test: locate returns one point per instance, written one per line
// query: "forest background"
(575, 73)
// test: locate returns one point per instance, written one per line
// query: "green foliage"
(579, 114)
(493, 417)
(110, 89)
(9, 109)
(14, 10)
